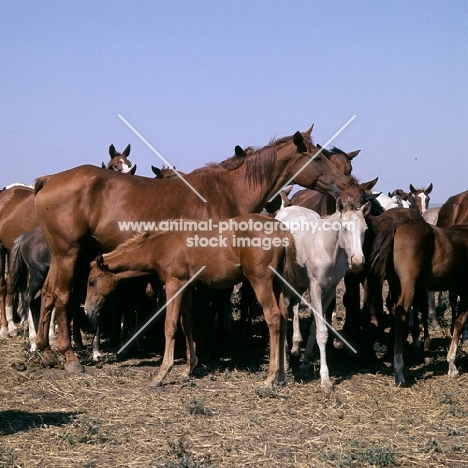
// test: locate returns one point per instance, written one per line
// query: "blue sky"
(196, 78)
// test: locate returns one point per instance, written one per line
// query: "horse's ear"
(156, 171)
(371, 196)
(309, 132)
(298, 140)
(112, 151)
(339, 204)
(238, 151)
(353, 154)
(103, 166)
(412, 189)
(133, 169)
(428, 190)
(126, 151)
(100, 262)
(366, 209)
(369, 185)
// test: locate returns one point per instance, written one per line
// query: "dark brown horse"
(88, 219)
(119, 161)
(414, 257)
(217, 258)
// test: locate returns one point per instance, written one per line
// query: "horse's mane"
(259, 164)
(136, 238)
(335, 150)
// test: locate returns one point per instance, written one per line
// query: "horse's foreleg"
(432, 315)
(457, 329)
(296, 336)
(170, 328)
(319, 304)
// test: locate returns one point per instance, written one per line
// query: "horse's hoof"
(74, 368)
(328, 388)
(155, 383)
(50, 360)
(4, 333)
(453, 371)
(13, 333)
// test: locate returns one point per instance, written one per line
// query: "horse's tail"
(289, 264)
(40, 182)
(382, 254)
(18, 270)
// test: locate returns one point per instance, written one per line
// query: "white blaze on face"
(125, 167)
(423, 198)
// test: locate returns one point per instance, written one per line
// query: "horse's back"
(17, 213)
(454, 210)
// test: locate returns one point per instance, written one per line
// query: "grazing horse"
(246, 247)
(415, 256)
(325, 248)
(17, 216)
(119, 161)
(87, 221)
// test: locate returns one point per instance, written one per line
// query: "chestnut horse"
(245, 247)
(18, 216)
(88, 219)
(415, 256)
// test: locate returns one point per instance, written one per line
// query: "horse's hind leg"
(187, 327)
(5, 324)
(275, 320)
(174, 300)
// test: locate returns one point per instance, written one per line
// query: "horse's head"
(119, 161)
(352, 226)
(165, 172)
(421, 197)
(101, 283)
(312, 167)
(340, 159)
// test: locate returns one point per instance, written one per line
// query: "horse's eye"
(92, 282)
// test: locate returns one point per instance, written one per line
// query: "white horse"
(325, 248)
(391, 202)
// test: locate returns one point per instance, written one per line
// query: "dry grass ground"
(221, 417)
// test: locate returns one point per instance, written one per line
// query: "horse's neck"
(239, 195)
(128, 264)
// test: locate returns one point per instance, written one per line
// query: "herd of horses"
(61, 243)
